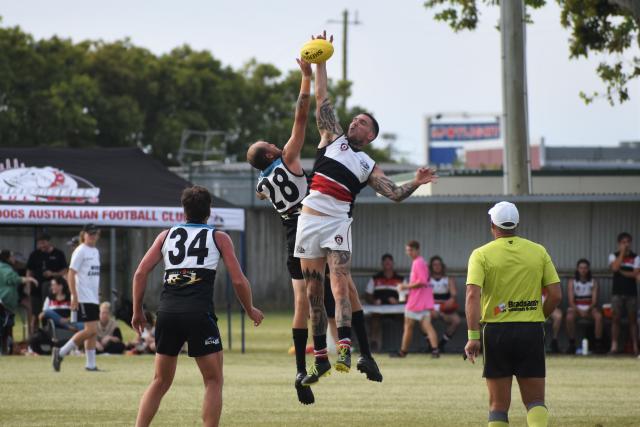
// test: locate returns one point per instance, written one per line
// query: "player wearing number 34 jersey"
(191, 253)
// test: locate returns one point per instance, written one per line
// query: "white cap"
(505, 215)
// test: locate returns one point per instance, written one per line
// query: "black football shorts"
(198, 330)
(513, 348)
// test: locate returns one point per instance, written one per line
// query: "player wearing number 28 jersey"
(191, 253)
(283, 182)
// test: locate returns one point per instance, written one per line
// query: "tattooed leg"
(313, 273)
(340, 273)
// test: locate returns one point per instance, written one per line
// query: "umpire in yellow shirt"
(504, 292)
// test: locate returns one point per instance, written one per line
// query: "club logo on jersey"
(501, 308)
(212, 341)
(182, 278)
(344, 146)
(300, 250)
(364, 165)
(338, 239)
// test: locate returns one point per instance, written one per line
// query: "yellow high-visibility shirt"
(511, 272)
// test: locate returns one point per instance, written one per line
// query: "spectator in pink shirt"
(419, 302)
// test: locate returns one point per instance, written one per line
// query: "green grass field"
(417, 391)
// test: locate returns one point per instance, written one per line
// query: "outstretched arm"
(238, 279)
(326, 117)
(292, 149)
(389, 189)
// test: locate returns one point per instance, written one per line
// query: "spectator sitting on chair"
(419, 302)
(444, 295)
(583, 303)
(9, 282)
(382, 289)
(625, 265)
(44, 264)
(145, 343)
(109, 337)
(57, 306)
(556, 323)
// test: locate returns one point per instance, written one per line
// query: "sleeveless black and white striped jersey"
(440, 288)
(190, 260)
(284, 188)
(339, 173)
(582, 292)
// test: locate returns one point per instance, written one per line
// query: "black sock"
(300, 343)
(344, 332)
(361, 333)
(320, 342)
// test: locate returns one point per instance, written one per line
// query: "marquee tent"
(111, 187)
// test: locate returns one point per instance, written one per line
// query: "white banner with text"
(113, 216)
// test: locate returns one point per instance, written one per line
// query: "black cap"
(90, 228)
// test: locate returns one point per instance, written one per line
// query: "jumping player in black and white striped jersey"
(283, 182)
(341, 170)
(191, 253)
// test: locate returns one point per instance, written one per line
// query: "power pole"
(345, 30)
(517, 171)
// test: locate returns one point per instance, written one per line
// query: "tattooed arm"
(293, 147)
(389, 189)
(326, 117)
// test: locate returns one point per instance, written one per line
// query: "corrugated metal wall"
(568, 230)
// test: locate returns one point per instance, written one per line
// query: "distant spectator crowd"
(430, 294)
(36, 289)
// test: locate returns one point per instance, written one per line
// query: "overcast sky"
(404, 64)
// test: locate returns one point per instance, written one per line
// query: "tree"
(597, 26)
(110, 94)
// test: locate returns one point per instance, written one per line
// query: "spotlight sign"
(460, 132)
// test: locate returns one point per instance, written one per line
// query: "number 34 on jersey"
(190, 255)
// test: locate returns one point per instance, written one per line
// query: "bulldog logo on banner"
(19, 183)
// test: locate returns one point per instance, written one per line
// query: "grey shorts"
(628, 301)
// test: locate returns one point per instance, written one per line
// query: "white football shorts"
(318, 234)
